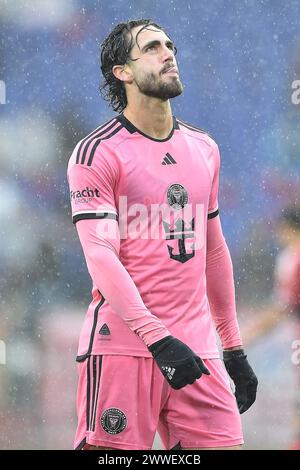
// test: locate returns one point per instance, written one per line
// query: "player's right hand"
(177, 362)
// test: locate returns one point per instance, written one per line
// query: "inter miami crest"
(177, 196)
(113, 421)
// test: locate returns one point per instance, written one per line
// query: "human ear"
(123, 73)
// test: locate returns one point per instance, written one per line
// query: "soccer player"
(286, 298)
(144, 194)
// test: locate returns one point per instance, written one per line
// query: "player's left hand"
(244, 379)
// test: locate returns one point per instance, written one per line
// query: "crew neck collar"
(132, 129)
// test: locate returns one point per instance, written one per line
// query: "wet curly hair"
(115, 50)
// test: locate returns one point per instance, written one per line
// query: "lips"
(171, 69)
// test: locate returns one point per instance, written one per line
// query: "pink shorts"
(123, 400)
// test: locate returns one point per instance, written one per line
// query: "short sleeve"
(92, 188)
(213, 207)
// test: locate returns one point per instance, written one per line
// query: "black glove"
(177, 362)
(244, 379)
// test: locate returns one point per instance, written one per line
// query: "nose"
(167, 54)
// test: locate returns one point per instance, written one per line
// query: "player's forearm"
(116, 285)
(220, 287)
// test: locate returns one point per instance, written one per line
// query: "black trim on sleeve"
(94, 215)
(213, 214)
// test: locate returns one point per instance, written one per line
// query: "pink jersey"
(162, 192)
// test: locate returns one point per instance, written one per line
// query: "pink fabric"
(203, 414)
(116, 285)
(146, 285)
(220, 285)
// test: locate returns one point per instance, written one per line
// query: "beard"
(152, 86)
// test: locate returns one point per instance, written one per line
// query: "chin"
(176, 91)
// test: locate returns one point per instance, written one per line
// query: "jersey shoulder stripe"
(90, 143)
(99, 140)
(92, 134)
(193, 128)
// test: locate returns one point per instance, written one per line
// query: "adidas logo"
(104, 330)
(168, 160)
(168, 371)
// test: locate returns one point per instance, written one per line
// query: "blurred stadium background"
(238, 61)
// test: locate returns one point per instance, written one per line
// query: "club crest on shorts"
(177, 196)
(113, 421)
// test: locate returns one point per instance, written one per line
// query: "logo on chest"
(168, 160)
(180, 230)
(175, 218)
(177, 196)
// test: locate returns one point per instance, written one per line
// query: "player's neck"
(152, 117)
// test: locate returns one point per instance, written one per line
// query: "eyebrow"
(155, 42)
